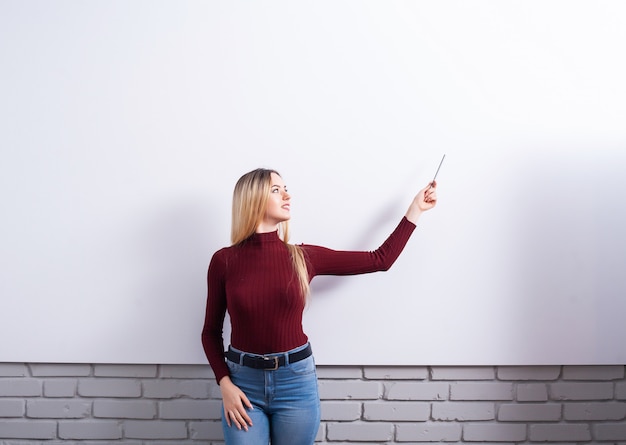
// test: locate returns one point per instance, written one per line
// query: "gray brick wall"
(179, 404)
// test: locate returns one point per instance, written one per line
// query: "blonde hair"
(249, 205)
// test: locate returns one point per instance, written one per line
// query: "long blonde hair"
(249, 205)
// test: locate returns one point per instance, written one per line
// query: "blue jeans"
(286, 404)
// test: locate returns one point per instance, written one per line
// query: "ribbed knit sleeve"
(324, 261)
(212, 333)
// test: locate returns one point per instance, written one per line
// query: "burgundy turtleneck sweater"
(256, 282)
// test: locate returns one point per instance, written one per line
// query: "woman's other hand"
(425, 200)
(235, 404)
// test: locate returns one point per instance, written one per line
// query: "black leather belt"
(272, 362)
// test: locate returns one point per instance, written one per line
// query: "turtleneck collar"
(265, 237)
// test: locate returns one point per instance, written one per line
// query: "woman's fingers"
(243, 413)
(245, 419)
(238, 420)
(237, 415)
(430, 196)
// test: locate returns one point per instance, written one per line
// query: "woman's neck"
(266, 228)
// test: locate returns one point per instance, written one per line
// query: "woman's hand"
(425, 200)
(235, 404)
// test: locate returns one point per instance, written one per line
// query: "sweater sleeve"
(212, 332)
(324, 261)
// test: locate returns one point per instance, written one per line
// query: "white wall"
(125, 125)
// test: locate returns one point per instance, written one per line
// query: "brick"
(620, 391)
(205, 430)
(20, 388)
(125, 409)
(125, 371)
(191, 409)
(13, 370)
(610, 431)
(161, 442)
(594, 411)
(416, 391)
(59, 388)
(522, 373)
(581, 391)
(321, 433)
(525, 412)
(148, 429)
(463, 411)
(170, 389)
(186, 372)
(428, 432)
(593, 372)
(349, 389)
(395, 373)
(165, 442)
(532, 392)
(109, 388)
(97, 430)
(359, 431)
(60, 370)
(481, 391)
(489, 432)
(135, 442)
(81, 442)
(58, 409)
(11, 408)
(339, 372)
(214, 391)
(31, 442)
(28, 429)
(396, 411)
(462, 373)
(341, 411)
(559, 432)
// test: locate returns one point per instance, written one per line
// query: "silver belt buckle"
(276, 363)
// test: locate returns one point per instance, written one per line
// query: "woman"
(267, 377)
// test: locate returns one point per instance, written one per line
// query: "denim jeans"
(286, 404)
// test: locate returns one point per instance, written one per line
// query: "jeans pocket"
(303, 367)
(233, 367)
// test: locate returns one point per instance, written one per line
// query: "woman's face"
(278, 203)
